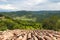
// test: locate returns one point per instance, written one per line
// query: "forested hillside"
(30, 20)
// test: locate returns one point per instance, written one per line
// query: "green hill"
(30, 20)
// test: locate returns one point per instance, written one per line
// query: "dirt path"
(29, 35)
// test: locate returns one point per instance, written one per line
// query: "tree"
(50, 23)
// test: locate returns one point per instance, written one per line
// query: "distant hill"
(30, 20)
(39, 15)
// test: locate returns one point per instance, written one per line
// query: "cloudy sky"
(30, 5)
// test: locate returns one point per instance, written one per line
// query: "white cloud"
(34, 2)
(7, 6)
(3, 0)
(30, 5)
(48, 6)
(54, 6)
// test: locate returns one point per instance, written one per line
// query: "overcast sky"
(30, 5)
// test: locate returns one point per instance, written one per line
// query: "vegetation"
(30, 20)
